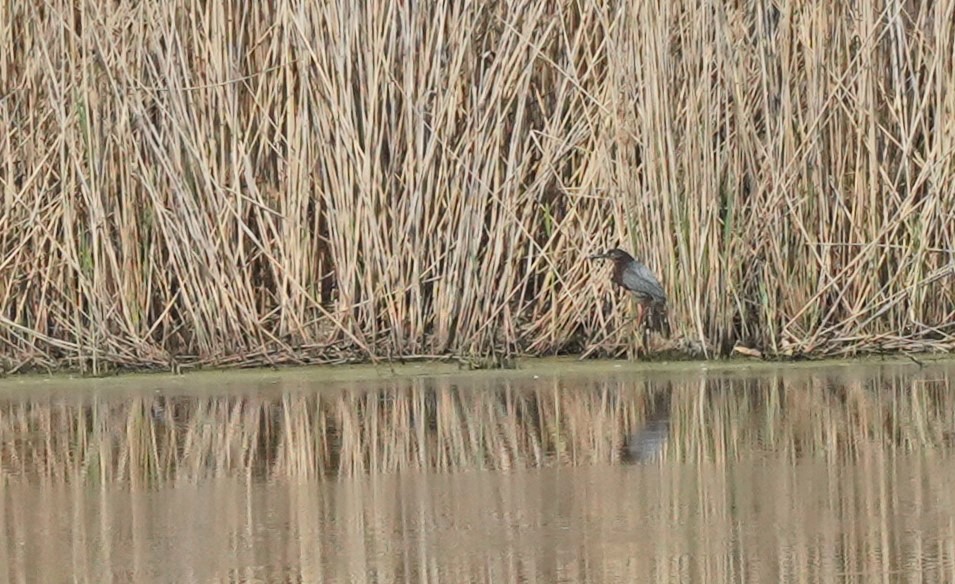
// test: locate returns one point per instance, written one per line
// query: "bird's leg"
(641, 327)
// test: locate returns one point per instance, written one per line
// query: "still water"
(555, 473)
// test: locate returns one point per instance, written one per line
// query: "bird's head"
(615, 254)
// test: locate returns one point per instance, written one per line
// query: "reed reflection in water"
(814, 475)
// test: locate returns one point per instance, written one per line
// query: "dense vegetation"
(246, 182)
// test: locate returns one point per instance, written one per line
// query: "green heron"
(632, 275)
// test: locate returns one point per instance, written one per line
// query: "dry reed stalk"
(287, 182)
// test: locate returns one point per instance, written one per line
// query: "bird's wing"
(639, 278)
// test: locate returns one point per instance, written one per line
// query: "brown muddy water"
(554, 473)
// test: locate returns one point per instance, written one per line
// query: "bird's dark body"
(638, 279)
(634, 276)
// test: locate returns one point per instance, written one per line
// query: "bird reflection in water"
(648, 443)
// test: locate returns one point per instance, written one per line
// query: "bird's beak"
(597, 256)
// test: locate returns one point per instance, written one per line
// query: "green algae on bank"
(546, 367)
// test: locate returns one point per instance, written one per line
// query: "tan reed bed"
(439, 424)
(272, 182)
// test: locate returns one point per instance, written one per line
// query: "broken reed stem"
(267, 183)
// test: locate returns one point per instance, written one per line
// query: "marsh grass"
(272, 182)
(434, 424)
